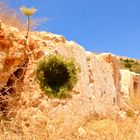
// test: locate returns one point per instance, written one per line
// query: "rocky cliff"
(98, 89)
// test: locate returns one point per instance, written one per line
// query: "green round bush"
(56, 75)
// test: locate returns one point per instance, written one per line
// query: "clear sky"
(98, 25)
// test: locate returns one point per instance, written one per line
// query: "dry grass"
(94, 127)
(11, 17)
(135, 102)
(117, 128)
(110, 129)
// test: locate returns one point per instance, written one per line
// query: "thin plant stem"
(28, 29)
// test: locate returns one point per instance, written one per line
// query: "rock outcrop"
(11, 52)
(130, 83)
(97, 89)
(99, 77)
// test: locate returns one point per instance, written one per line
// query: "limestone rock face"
(104, 78)
(100, 74)
(11, 52)
(99, 79)
(97, 89)
(130, 83)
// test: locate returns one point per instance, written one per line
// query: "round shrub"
(56, 75)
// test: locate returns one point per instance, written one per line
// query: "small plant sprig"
(27, 12)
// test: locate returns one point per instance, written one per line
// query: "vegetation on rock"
(56, 75)
(131, 64)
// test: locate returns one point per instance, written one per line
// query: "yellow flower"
(28, 11)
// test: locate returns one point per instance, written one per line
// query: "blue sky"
(98, 25)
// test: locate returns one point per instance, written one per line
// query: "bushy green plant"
(131, 64)
(127, 65)
(57, 75)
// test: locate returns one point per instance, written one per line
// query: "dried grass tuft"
(11, 17)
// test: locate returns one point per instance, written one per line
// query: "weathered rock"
(130, 83)
(97, 89)
(11, 52)
(104, 78)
